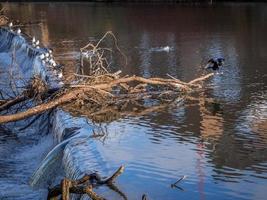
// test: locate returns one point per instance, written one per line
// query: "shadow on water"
(217, 137)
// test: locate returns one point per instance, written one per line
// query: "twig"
(179, 180)
(114, 176)
(12, 102)
(201, 78)
(81, 187)
(73, 94)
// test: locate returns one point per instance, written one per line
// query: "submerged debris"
(178, 181)
(85, 185)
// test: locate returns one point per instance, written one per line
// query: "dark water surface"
(217, 140)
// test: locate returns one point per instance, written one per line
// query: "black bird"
(144, 197)
(214, 64)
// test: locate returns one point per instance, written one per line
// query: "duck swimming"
(214, 64)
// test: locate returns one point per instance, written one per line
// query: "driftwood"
(3, 18)
(7, 104)
(83, 186)
(102, 90)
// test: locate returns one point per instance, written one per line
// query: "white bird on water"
(167, 48)
(54, 64)
(161, 49)
(18, 31)
(50, 52)
(42, 56)
(10, 25)
(51, 61)
(33, 42)
(60, 75)
(37, 44)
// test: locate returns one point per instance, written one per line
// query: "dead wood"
(12, 102)
(84, 186)
(37, 89)
(3, 20)
(202, 78)
(100, 93)
(105, 94)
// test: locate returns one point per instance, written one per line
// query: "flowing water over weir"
(20, 62)
(217, 138)
(72, 135)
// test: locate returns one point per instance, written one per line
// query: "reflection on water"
(219, 137)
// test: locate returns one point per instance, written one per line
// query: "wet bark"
(84, 186)
(73, 92)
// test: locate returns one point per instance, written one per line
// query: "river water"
(217, 139)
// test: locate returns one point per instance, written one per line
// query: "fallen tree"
(85, 185)
(101, 96)
(103, 93)
(101, 90)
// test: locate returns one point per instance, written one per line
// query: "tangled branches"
(113, 92)
(97, 56)
(101, 93)
(36, 90)
(3, 20)
(101, 96)
(85, 185)
(117, 96)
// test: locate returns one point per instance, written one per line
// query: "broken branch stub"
(84, 186)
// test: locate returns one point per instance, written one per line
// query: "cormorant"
(214, 64)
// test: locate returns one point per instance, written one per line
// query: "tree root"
(84, 186)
